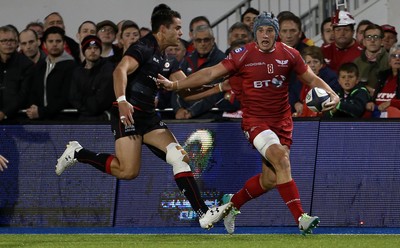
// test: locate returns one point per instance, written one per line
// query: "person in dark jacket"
(92, 83)
(15, 75)
(52, 79)
(206, 54)
(54, 19)
(353, 96)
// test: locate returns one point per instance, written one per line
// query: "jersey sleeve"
(300, 65)
(138, 51)
(233, 62)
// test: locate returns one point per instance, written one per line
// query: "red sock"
(290, 195)
(252, 189)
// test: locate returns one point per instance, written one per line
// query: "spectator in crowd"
(130, 34)
(194, 23)
(238, 31)
(291, 34)
(248, 17)
(389, 36)
(315, 60)
(287, 15)
(86, 28)
(92, 91)
(353, 95)
(267, 120)
(362, 25)
(327, 34)
(144, 31)
(70, 45)
(206, 54)
(345, 48)
(134, 121)
(15, 75)
(106, 31)
(3, 163)
(117, 41)
(386, 99)
(37, 26)
(163, 98)
(52, 78)
(29, 44)
(373, 59)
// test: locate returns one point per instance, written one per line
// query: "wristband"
(177, 85)
(121, 99)
(220, 87)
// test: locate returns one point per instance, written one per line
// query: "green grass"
(191, 241)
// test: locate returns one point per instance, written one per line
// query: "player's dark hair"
(349, 67)
(163, 17)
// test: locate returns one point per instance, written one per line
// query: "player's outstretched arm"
(196, 79)
(3, 163)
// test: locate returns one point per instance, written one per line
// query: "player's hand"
(165, 83)
(3, 163)
(333, 103)
(126, 113)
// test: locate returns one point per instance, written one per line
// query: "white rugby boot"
(68, 159)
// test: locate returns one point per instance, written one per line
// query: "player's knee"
(264, 140)
(177, 157)
(128, 175)
(279, 157)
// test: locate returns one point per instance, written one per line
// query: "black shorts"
(144, 123)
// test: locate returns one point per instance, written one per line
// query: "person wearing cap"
(92, 91)
(264, 66)
(389, 36)
(107, 32)
(345, 48)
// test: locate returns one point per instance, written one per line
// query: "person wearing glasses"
(107, 32)
(15, 75)
(206, 54)
(386, 99)
(373, 58)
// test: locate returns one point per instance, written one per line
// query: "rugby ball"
(316, 99)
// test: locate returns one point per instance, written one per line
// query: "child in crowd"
(353, 96)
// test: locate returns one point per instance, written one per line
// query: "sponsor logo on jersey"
(277, 82)
(156, 60)
(282, 63)
(255, 64)
(239, 50)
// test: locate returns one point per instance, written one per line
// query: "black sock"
(97, 160)
(188, 186)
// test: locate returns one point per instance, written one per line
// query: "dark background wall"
(347, 173)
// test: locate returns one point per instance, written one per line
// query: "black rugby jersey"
(142, 88)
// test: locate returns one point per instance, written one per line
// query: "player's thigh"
(128, 150)
(159, 138)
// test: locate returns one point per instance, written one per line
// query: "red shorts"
(282, 128)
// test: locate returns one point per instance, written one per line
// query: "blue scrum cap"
(266, 19)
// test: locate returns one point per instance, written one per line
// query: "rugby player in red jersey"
(264, 66)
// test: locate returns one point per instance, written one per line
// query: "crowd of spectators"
(46, 75)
